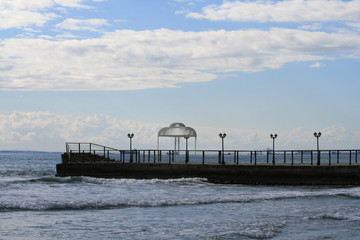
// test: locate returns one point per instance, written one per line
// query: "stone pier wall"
(239, 174)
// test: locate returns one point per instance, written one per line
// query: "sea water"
(34, 204)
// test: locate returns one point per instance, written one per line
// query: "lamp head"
(222, 135)
(317, 134)
(273, 136)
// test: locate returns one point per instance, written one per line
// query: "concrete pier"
(217, 173)
(286, 167)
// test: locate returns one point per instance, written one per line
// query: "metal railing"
(234, 157)
(89, 148)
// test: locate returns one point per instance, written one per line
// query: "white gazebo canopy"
(177, 130)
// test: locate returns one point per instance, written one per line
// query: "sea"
(35, 204)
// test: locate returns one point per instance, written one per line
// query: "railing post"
(154, 156)
(267, 156)
(329, 158)
(203, 157)
(302, 157)
(356, 153)
(219, 159)
(237, 157)
(255, 158)
(311, 157)
(79, 148)
(292, 157)
(350, 157)
(90, 148)
(338, 156)
(284, 156)
(251, 153)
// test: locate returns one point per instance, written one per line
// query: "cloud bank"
(165, 58)
(48, 132)
(83, 56)
(162, 58)
(25, 13)
(281, 11)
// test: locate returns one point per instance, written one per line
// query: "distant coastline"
(26, 151)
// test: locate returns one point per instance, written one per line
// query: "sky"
(96, 70)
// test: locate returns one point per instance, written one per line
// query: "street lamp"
(273, 138)
(131, 135)
(186, 152)
(222, 136)
(317, 135)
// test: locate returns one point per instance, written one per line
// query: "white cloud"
(24, 13)
(317, 65)
(49, 132)
(82, 24)
(25, 4)
(313, 26)
(160, 58)
(281, 11)
(21, 18)
(355, 25)
(71, 3)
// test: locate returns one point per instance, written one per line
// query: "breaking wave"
(111, 202)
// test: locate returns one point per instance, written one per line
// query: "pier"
(281, 167)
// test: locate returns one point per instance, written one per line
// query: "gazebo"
(178, 130)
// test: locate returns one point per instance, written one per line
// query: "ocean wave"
(111, 202)
(330, 216)
(91, 180)
(83, 193)
(262, 230)
(8, 181)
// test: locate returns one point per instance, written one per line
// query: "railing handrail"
(215, 150)
(255, 156)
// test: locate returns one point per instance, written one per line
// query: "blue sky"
(76, 70)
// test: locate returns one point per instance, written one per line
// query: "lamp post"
(131, 135)
(186, 152)
(222, 136)
(273, 138)
(317, 135)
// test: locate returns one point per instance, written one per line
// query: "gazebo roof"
(177, 130)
